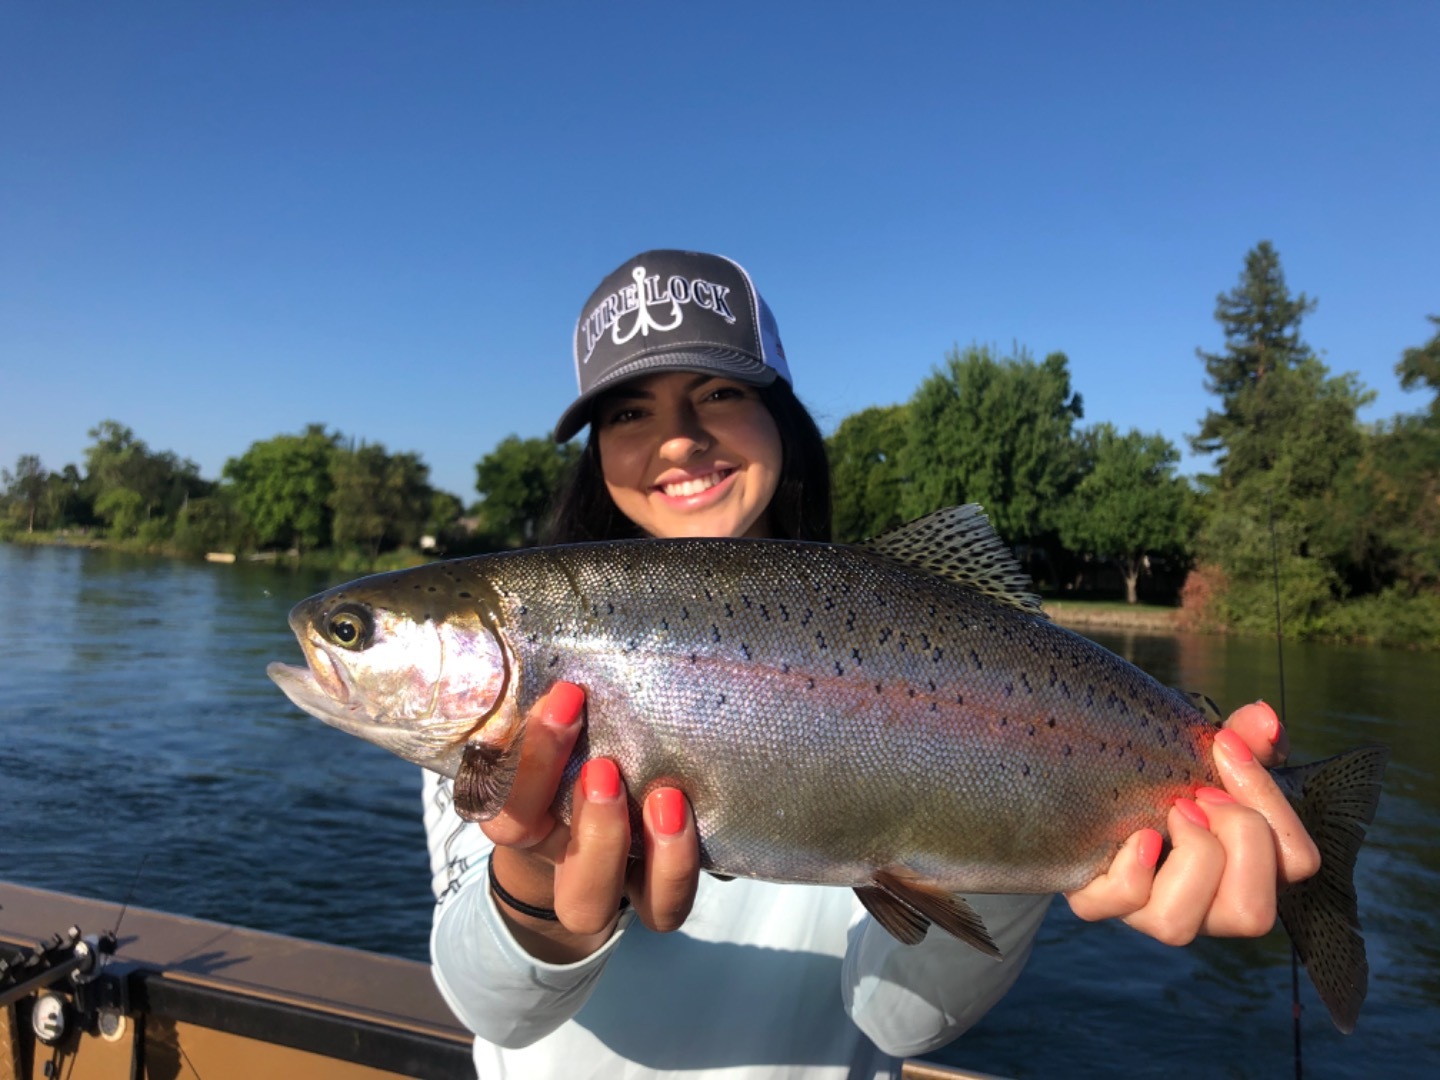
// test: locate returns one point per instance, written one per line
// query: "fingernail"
(564, 705)
(1234, 747)
(667, 811)
(1149, 852)
(1192, 813)
(1213, 795)
(1272, 723)
(601, 780)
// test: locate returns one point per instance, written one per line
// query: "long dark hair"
(799, 510)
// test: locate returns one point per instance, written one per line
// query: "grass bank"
(1112, 614)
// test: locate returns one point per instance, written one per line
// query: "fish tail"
(1335, 800)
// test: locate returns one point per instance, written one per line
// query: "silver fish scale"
(831, 713)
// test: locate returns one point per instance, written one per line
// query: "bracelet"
(545, 913)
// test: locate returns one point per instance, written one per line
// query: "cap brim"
(727, 362)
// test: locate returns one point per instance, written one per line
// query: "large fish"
(899, 717)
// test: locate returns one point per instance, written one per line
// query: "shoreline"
(1144, 617)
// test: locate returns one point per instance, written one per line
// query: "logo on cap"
(644, 294)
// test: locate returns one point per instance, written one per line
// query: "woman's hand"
(582, 870)
(1230, 850)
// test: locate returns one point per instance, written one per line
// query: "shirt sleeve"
(911, 999)
(492, 985)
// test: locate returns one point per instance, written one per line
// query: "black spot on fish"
(1009, 689)
(809, 684)
(1029, 729)
(1050, 723)
(931, 684)
(609, 608)
(1115, 794)
(855, 655)
(784, 668)
(714, 632)
(466, 596)
(1066, 751)
(720, 700)
(1025, 682)
(959, 699)
(729, 611)
(684, 612)
(878, 688)
(745, 650)
(1140, 765)
(694, 658)
(838, 669)
(664, 624)
(554, 660)
(975, 659)
(784, 614)
(820, 639)
(938, 655)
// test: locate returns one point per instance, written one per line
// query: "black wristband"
(545, 913)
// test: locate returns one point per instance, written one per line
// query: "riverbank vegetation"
(1346, 514)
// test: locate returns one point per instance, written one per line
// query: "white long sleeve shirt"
(763, 981)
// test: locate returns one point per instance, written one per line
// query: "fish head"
(399, 661)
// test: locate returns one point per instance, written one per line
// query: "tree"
(1420, 366)
(517, 482)
(1286, 435)
(161, 482)
(281, 488)
(1129, 505)
(1261, 322)
(865, 467)
(997, 431)
(379, 500)
(25, 487)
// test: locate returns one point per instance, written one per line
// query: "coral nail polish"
(1149, 852)
(1212, 795)
(564, 705)
(1192, 813)
(1234, 747)
(667, 811)
(601, 780)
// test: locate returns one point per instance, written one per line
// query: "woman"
(695, 431)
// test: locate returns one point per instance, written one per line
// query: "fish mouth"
(316, 697)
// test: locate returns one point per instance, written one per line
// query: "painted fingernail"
(667, 811)
(601, 780)
(1192, 813)
(1234, 747)
(1272, 723)
(1149, 850)
(1213, 795)
(564, 705)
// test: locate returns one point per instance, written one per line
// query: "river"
(145, 754)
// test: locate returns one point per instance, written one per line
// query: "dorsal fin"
(959, 545)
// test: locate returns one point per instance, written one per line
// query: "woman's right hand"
(583, 869)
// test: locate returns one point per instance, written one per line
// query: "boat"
(91, 991)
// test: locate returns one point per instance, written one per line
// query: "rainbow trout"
(898, 717)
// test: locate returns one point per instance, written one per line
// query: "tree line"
(1347, 515)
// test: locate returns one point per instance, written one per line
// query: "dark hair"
(799, 509)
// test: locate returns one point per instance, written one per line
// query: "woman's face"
(687, 454)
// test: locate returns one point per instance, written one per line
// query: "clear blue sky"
(221, 221)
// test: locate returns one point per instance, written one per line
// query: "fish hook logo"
(643, 322)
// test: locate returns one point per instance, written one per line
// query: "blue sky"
(222, 221)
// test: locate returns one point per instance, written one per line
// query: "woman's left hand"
(1230, 852)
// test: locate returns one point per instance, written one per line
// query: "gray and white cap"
(672, 311)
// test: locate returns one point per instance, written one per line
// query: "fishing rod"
(1280, 664)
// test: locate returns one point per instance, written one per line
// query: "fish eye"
(350, 626)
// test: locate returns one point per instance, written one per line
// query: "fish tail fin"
(1335, 800)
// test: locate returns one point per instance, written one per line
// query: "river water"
(138, 732)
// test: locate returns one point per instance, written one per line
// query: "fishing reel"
(94, 1003)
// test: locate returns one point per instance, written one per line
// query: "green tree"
(1286, 436)
(281, 489)
(1420, 367)
(1129, 505)
(997, 431)
(517, 482)
(867, 484)
(379, 500)
(25, 487)
(162, 482)
(1261, 322)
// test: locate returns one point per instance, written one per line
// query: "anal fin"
(949, 912)
(905, 924)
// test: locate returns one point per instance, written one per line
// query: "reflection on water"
(138, 723)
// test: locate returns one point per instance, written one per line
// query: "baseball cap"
(672, 311)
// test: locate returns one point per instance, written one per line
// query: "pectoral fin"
(483, 781)
(909, 907)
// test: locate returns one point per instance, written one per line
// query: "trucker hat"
(672, 311)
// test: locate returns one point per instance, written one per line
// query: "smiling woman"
(695, 432)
